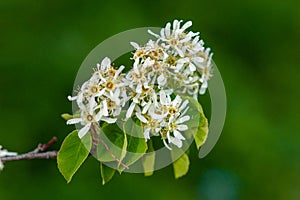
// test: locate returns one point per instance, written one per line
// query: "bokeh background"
(256, 45)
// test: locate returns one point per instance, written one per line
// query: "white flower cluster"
(176, 63)
(3, 153)
(101, 98)
(185, 59)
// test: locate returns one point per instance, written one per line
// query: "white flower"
(87, 119)
(142, 102)
(206, 74)
(175, 38)
(175, 127)
(172, 107)
(151, 125)
(3, 153)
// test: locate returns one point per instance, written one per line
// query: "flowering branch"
(38, 153)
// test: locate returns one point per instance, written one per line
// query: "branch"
(38, 153)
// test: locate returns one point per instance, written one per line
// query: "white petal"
(105, 63)
(186, 39)
(202, 90)
(168, 136)
(130, 110)
(98, 116)
(84, 130)
(192, 67)
(175, 25)
(100, 93)
(162, 33)
(146, 134)
(109, 120)
(119, 71)
(165, 143)
(92, 104)
(161, 80)
(168, 29)
(176, 141)
(135, 66)
(163, 99)
(182, 127)
(179, 51)
(72, 98)
(146, 107)
(176, 101)
(156, 116)
(105, 109)
(186, 109)
(198, 60)
(136, 98)
(141, 117)
(74, 121)
(183, 119)
(187, 25)
(135, 45)
(138, 88)
(154, 34)
(178, 135)
(183, 105)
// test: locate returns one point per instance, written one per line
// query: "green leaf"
(181, 166)
(66, 116)
(136, 146)
(73, 153)
(198, 124)
(124, 149)
(202, 132)
(149, 160)
(106, 173)
(114, 139)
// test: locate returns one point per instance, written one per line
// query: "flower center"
(173, 110)
(110, 85)
(94, 89)
(90, 118)
(110, 104)
(171, 60)
(156, 66)
(174, 42)
(140, 53)
(111, 72)
(172, 126)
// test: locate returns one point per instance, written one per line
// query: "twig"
(38, 153)
(30, 156)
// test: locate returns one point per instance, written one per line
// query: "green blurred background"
(256, 45)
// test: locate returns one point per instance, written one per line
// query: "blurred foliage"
(256, 45)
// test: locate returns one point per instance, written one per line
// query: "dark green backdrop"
(256, 45)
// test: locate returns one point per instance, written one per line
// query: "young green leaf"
(106, 173)
(181, 166)
(66, 116)
(73, 153)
